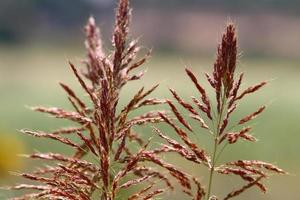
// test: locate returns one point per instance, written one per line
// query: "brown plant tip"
(204, 97)
(200, 120)
(218, 122)
(200, 153)
(200, 190)
(179, 116)
(177, 147)
(257, 163)
(140, 193)
(224, 67)
(247, 174)
(65, 141)
(233, 137)
(252, 116)
(251, 89)
(103, 131)
(72, 94)
(109, 154)
(243, 189)
(183, 103)
(154, 193)
(60, 113)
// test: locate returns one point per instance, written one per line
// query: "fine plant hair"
(104, 133)
(215, 120)
(110, 156)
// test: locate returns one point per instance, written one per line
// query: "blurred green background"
(37, 37)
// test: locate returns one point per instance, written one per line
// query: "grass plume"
(105, 134)
(216, 120)
(102, 132)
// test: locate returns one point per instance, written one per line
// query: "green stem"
(215, 149)
(212, 169)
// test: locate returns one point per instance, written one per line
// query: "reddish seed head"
(218, 123)
(105, 131)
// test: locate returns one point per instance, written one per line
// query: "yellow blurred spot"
(10, 148)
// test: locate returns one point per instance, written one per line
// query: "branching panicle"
(223, 80)
(104, 131)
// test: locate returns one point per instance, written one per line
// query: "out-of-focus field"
(29, 77)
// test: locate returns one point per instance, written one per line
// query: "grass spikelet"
(101, 130)
(226, 85)
(109, 154)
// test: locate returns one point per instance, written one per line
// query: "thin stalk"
(212, 169)
(215, 148)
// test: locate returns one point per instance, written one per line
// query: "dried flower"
(103, 132)
(226, 86)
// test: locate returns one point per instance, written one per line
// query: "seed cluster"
(216, 121)
(105, 135)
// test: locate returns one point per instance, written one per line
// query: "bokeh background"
(37, 37)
